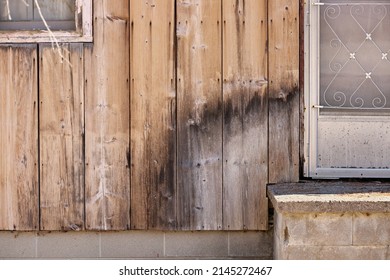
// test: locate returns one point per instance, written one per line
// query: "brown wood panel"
(107, 123)
(19, 208)
(245, 131)
(199, 185)
(153, 115)
(61, 132)
(284, 99)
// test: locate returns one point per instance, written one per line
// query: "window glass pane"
(55, 9)
(26, 14)
(16, 10)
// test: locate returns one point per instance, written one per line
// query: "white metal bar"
(349, 3)
(349, 108)
(350, 172)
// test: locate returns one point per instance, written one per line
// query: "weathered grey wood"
(245, 138)
(107, 151)
(199, 97)
(284, 125)
(153, 115)
(61, 127)
(19, 208)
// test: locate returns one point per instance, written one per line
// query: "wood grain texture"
(153, 115)
(245, 131)
(199, 188)
(61, 127)
(19, 209)
(284, 125)
(107, 152)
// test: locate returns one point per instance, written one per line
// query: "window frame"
(83, 32)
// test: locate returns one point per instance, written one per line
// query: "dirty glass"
(27, 14)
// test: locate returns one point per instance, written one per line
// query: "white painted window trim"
(83, 32)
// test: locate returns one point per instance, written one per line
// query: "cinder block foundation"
(136, 245)
(337, 220)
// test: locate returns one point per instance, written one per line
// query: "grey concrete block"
(371, 229)
(77, 245)
(17, 245)
(317, 229)
(251, 244)
(278, 224)
(196, 244)
(132, 244)
(277, 250)
(336, 252)
(279, 242)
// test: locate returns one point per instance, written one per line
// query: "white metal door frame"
(312, 108)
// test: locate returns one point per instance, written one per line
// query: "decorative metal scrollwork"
(355, 57)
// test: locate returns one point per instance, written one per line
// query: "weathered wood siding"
(61, 129)
(174, 118)
(199, 90)
(153, 114)
(283, 93)
(19, 189)
(107, 111)
(245, 113)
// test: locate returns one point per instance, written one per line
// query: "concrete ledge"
(330, 197)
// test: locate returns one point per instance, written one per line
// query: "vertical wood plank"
(61, 94)
(107, 122)
(283, 91)
(199, 93)
(153, 115)
(245, 131)
(19, 208)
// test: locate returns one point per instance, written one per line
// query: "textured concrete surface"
(197, 244)
(67, 245)
(250, 244)
(318, 220)
(317, 229)
(330, 196)
(337, 253)
(371, 229)
(22, 245)
(136, 245)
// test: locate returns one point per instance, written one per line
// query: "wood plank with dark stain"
(245, 132)
(284, 108)
(199, 97)
(153, 115)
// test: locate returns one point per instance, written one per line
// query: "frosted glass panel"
(355, 54)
